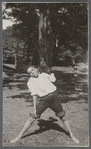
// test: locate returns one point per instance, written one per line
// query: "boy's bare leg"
(67, 126)
(27, 125)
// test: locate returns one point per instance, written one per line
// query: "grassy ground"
(48, 131)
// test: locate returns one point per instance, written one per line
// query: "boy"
(45, 95)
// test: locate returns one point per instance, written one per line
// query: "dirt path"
(48, 131)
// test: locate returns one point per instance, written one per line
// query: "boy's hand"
(34, 115)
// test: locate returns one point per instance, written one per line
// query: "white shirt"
(42, 85)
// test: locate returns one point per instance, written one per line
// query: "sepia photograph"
(45, 74)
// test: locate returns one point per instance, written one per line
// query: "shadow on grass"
(45, 125)
(68, 99)
(26, 96)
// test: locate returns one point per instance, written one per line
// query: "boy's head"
(32, 71)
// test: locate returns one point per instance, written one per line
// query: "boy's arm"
(35, 102)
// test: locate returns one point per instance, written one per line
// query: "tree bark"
(45, 37)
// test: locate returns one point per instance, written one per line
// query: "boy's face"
(33, 72)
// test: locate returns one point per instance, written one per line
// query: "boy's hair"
(32, 66)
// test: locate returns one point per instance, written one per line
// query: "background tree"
(24, 15)
(65, 21)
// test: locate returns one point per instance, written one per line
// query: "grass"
(48, 131)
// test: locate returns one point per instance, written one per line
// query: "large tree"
(40, 24)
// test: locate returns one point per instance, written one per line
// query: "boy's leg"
(27, 125)
(41, 106)
(67, 126)
(58, 109)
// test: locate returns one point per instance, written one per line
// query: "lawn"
(48, 131)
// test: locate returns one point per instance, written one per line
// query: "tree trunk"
(16, 59)
(16, 55)
(41, 38)
(29, 48)
(29, 37)
(45, 37)
(73, 61)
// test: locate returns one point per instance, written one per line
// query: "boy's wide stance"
(45, 95)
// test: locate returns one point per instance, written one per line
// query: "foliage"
(69, 23)
(10, 46)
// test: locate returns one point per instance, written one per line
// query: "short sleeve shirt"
(42, 85)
